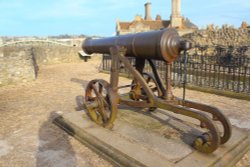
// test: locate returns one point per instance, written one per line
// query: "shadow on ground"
(54, 148)
(187, 136)
(83, 83)
(80, 98)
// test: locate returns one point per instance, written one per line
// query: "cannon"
(148, 90)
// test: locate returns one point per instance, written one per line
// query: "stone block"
(150, 139)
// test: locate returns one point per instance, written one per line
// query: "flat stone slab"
(161, 139)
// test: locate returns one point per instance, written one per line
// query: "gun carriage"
(102, 98)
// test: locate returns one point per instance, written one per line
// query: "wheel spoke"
(91, 98)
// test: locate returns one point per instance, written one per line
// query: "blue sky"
(97, 17)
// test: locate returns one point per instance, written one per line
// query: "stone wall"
(20, 64)
(225, 36)
(16, 66)
(55, 54)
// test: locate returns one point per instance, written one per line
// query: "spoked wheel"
(137, 91)
(100, 102)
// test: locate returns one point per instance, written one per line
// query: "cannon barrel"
(163, 44)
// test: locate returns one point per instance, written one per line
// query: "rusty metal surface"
(217, 115)
(164, 45)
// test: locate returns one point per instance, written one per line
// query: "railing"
(219, 72)
(231, 74)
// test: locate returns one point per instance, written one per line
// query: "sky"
(98, 17)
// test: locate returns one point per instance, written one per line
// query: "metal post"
(185, 76)
(114, 79)
(168, 94)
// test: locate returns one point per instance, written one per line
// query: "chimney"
(148, 11)
(176, 19)
(176, 8)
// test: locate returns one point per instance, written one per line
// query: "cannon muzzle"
(163, 44)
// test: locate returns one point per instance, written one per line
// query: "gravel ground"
(28, 137)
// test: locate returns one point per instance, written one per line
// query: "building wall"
(134, 29)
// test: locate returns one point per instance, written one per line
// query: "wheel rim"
(98, 102)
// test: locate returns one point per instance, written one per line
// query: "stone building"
(139, 24)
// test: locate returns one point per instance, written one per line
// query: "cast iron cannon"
(102, 98)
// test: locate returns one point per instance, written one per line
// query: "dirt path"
(28, 137)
